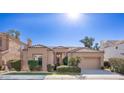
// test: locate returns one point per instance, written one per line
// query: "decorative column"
(44, 64)
(61, 58)
(5, 66)
(0, 59)
(102, 61)
(54, 57)
(24, 61)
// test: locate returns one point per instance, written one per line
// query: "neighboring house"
(112, 49)
(10, 48)
(90, 59)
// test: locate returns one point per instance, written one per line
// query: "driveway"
(96, 72)
(101, 74)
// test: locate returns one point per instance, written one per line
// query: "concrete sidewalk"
(61, 77)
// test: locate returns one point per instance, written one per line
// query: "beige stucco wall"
(5, 42)
(85, 56)
(50, 57)
(11, 49)
(24, 60)
(47, 56)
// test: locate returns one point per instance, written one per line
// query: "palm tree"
(17, 34)
(11, 32)
(88, 41)
(96, 46)
(14, 33)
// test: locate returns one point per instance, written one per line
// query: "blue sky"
(58, 29)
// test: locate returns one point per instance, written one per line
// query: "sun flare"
(73, 15)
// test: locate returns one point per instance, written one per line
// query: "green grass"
(40, 73)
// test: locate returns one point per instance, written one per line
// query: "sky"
(62, 29)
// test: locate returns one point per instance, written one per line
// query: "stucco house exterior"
(90, 59)
(13, 49)
(112, 49)
(10, 48)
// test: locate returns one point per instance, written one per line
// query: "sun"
(73, 16)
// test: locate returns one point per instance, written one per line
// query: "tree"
(14, 33)
(88, 41)
(96, 46)
(17, 34)
(11, 32)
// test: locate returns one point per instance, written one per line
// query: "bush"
(0, 67)
(102, 68)
(65, 61)
(16, 65)
(33, 64)
(50, 68)
(12, 69)
(37, 68)
(70, 69)
(107, 64)
(117, 65)
(74, 61)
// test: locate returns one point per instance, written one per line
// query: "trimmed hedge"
(33, 64)
(70, 69)
(117, 65)
(16, 65)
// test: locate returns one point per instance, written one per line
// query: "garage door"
(90, 63)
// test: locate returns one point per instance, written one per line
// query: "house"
(90, 59)
(10, 48)
(112, 49)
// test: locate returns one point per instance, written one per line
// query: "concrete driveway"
(96, 72)
(101, 74)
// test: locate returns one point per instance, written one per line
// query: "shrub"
(107, 64)
(117, 65)
(65, 61)
(12, 69)
(0, 67)
(102, 67)
(50, 68)
(74, 61)
(37, 68)
(33, 64)
(16, 64)
(70, 69)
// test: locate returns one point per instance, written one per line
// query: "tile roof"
(83, 49)
(110, 43)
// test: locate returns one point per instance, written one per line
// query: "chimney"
(29, 42)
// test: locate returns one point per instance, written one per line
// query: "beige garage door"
(90, 63)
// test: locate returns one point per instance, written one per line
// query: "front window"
(38, 58)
